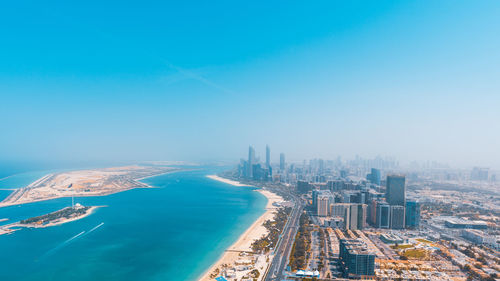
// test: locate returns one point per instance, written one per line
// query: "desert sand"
(95, 182)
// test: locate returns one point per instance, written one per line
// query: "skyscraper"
(251, 161)
(412, 214)
(282, 161)
(395, 193)
(268, 157)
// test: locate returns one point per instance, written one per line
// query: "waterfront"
(174, 232)
(244, 243)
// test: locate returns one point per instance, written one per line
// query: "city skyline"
(372, 217)
(478, 171)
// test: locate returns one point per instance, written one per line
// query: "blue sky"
(143, 80)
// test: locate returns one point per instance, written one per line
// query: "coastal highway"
(285, 243)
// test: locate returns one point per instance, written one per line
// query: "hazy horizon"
(110, 83)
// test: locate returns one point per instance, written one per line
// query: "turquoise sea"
(172, 232)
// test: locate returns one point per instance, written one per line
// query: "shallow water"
(173, 232)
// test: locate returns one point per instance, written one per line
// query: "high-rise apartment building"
(339, 209)
(323, 204)
(355, 216)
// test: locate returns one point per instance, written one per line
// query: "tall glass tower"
(251, 161)
(395, 193)
(268, 156)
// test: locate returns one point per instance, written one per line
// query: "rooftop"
(356, 246)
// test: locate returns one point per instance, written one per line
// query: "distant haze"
(104, 82)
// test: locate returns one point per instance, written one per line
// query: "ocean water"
(172, 232)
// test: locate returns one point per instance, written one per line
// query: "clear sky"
(184, 80)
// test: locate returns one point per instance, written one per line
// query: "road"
(285, 243)
(313, 262)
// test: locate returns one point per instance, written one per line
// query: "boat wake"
(95, 227)
(63, 244)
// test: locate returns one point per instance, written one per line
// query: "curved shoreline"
(245, 240)
(20, 196)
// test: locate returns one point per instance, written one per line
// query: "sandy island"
(244, 242)
(62, 220)
(10, 228)
(84, 183)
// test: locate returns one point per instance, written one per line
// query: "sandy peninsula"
(244, 242)
(94, 182)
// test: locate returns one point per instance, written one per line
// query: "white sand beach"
(228, 181)
(244, 242)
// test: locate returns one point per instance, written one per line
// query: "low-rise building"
(465, 224)
(479, 237)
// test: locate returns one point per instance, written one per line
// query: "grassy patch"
(402, 246)
(416, 254)
(423, 240)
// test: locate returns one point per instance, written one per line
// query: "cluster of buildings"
(252, 169)
(377, 230)
(353, 206)
(479, 174)
(314, 170)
